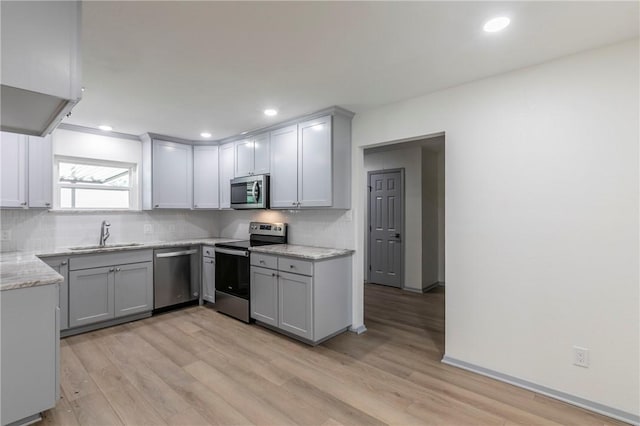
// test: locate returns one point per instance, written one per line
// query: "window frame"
(58, 186)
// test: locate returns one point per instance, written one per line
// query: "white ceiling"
(179, 68)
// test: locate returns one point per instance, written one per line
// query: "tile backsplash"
(40, 229)
(322, 228)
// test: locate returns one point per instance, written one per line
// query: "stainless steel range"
(233, 266)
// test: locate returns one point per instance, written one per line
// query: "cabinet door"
(133, 288)
(61, 266)
(264, 295)
(209, 279)
(226, 174)
(13, 170)
(91, 296)
(314, 162)
(261, 156)
(40, 171)
(295, 305)
(172, 175)
(284, 167)
(205, 177)
(244, 158)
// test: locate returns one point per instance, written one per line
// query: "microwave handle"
(255, 191)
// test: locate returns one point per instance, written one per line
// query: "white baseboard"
(358, 330)
(562, 396)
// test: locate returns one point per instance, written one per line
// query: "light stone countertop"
(302, 252)
(25, 269)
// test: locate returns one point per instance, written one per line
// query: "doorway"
(386, 227)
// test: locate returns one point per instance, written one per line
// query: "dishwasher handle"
(177, 253)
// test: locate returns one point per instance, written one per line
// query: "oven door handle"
(243, 253)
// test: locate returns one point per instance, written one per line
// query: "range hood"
(41, 67)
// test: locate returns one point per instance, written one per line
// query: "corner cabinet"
(172, 175)
(206, 194)
(311, 164)
(226, 171)
(308, 300)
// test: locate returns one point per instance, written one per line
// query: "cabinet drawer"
(295, 266)
(208, 251)
(109, 259)
(264, 260)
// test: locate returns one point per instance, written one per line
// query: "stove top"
(243, 245)
(260, 234)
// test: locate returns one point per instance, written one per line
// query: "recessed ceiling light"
(270, 112)
(497, 24)
(105, 128)
(205, 134)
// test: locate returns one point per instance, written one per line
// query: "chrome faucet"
(104, 233)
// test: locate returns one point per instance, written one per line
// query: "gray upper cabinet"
(252, 156)
(205, 177)
(41, 64)
(264, 295)
(284, 167)
(172, 175)
(314, 160)
(13, 170)
(61, 266)
(227, 166)
(40, 181)
(311, 163)
(133, 288)
(91, 296)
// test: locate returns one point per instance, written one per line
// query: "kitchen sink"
(107, 246)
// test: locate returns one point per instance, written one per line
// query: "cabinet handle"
(292, 267)
(64, 262)
(262, 262)
(23, 204)
(117, 269)
(195, 205)
(294, 204)
(273, 274)
(47, 204)
(157, 205)
(111, 269)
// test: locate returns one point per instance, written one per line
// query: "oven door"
(232, 272)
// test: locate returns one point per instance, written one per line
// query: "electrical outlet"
(581, 357)
(5, 235)
(148, 228)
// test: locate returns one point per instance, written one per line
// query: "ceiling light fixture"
(205, 134)
(270, 112)
(105, 128)
(496, 24)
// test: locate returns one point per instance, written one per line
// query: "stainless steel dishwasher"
(175, 276)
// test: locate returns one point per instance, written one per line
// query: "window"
(86, 184)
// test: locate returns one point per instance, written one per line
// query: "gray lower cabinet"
(310, 300)
(91, 296)
(133, 288)
(108, 286)
(264, 295)
(209, 279)
(61, 266)
(295, 305)
(29, 352)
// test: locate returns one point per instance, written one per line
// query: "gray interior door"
(386, 214)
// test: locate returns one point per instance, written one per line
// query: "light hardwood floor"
(197, 367)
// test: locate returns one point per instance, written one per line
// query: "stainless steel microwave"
(250, 192)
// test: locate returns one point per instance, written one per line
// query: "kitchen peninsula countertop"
(22, 269)
(302, 252)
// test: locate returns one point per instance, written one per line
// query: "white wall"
(541, 218)
(40, 230)
(410, 159)
(429, 217)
